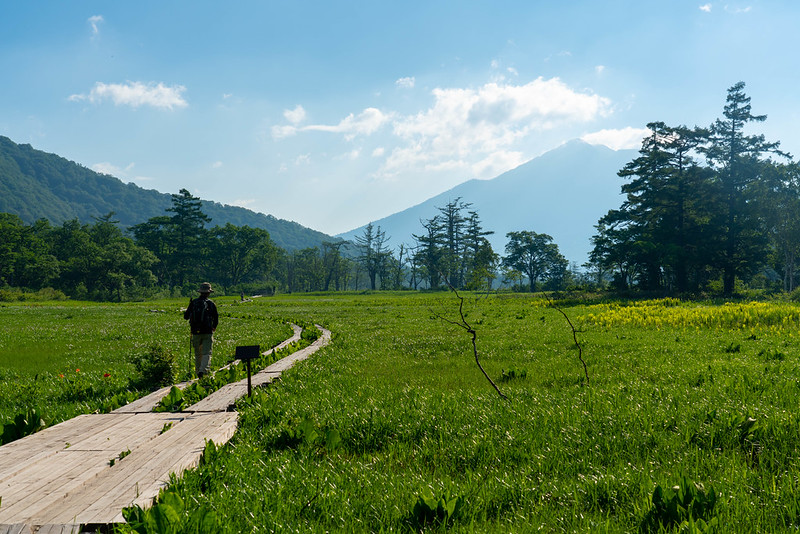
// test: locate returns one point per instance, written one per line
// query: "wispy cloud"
(94, 21)
(135, 94)
(406, 83)
(736, 10)
(365, 123)
(706, 8)
(618, 139)
(123, 173)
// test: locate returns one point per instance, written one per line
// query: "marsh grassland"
(689, 420)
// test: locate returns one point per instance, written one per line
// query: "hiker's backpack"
(201, 319)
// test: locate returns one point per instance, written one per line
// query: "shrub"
(158, 367)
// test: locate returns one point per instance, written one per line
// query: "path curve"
(63, 478)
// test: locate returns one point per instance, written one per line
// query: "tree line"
(168, 254)
(711, 209)
(706, 209)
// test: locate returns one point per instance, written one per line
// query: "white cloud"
(618, 139)
(600, 69)
(296, 115)
(105, 167)
(706, 8)
(737, 10)
(93, 22)
(216, 165)
(468, 125)
(366, 123)
(467, 130)
(406, 83)
(136, 94)
(279, 132)
(352, 155)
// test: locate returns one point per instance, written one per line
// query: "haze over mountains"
(562, 193)
(39, 185)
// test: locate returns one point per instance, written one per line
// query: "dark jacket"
(206, 319)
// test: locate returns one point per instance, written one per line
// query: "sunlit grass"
(395, 408)
(68, 358)
(415, 415)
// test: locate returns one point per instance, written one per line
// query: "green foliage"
(174, 401)
(169, 516)
(431, 509)
(20, 295)
(37, 185)
(157, 367)
(23, 425)
(512, 373)
(687, 506)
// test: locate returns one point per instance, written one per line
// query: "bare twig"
(574, 335)
(466, 326)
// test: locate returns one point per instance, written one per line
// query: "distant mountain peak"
(563, 193)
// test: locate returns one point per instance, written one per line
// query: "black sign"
(248, 352)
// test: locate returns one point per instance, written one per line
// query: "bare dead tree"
(471, 331)
(574, 335)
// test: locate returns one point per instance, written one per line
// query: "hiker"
(203, 320)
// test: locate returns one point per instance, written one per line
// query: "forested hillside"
(38, 185)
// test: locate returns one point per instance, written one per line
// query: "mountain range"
(562, 193)
(39, 185)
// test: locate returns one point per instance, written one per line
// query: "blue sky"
(333, 114)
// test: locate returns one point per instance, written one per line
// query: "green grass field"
(68, 358)
(392, 427)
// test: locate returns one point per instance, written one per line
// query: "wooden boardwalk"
(82, 472)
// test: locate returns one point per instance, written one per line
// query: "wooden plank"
(262, 378)
(38, 484)
(222, 399)
(17, 528)
(148, 402)
(140, 475)
(40, 488)
(33, 448)
(59, 529)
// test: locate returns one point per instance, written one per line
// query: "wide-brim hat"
(205, 287)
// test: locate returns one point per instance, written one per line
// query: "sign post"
(247, 353)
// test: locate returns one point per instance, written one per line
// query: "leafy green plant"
(169, 516)
(157, 367)
(23, 425)
(121, 455)
(687, 506)
(431, 509)
(512, 373)
(172, 401)
(732, 348)
(772, 355)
